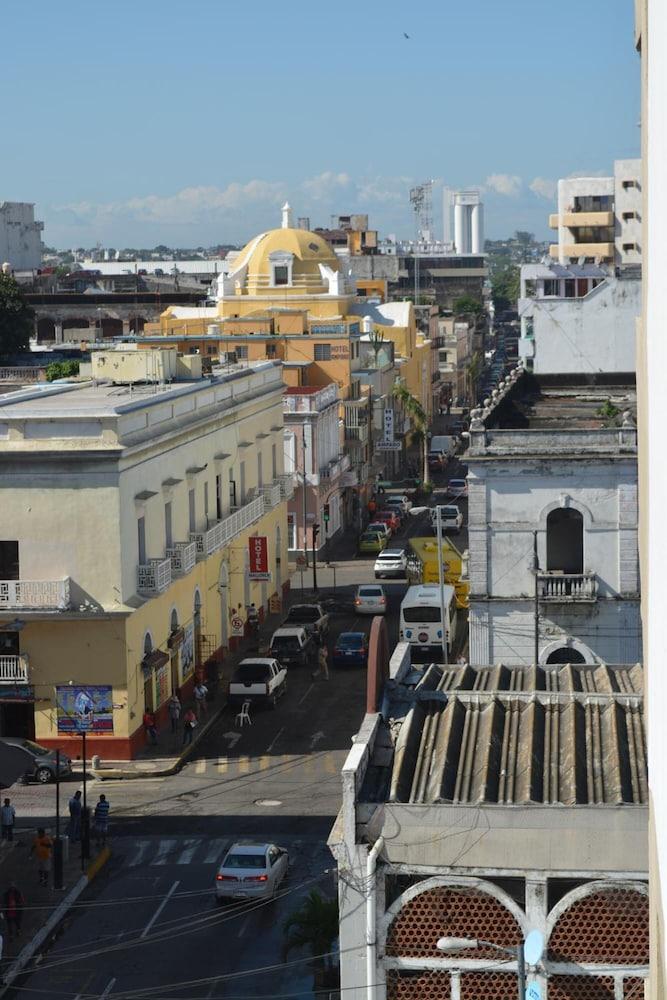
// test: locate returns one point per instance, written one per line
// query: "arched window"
(566, 654)
(565, 541)
(173, 621)
(148, 644)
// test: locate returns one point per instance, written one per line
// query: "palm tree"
(473, 372)
(314, 925)
(417, 414)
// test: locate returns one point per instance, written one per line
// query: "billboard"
(84, 709)
(258, 553)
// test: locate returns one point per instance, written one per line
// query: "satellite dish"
(533, 947)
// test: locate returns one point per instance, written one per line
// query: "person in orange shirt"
(42, 848)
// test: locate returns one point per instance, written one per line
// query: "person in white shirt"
(200, 692)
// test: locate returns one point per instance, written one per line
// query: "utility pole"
(303, 495)
(316, 531)
(536, 570)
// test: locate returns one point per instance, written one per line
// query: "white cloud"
(505, 184)
(544, 188)
(321, 187)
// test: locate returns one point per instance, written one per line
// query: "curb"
(115, 773)
(40, 937)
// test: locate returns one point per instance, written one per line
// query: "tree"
(61, 369)
(466, 304)
(16, 317)
(314, 925)
(473, 371)
(506, 287)
(377, 341)
(417, 414)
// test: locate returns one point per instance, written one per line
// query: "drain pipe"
(371, 909)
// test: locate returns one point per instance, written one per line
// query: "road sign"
(388, 446)
(237, 625)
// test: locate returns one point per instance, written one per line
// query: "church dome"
(286, 261)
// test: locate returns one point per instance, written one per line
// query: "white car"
(370, 599)
(451, 517)
(391, 562)
(457, 488)
(397, 500)
(251, 871)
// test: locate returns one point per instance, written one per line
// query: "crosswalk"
(156, 852)
(325, 764)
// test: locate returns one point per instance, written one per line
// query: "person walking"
(189, 723)
(101, 821)
(42, 848)
(174, 712)
(149, 726)
(7, 819)
(322, 663)
(74, 831)
(200, 692)
(13, 907)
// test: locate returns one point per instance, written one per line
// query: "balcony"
(567, 587)
(13, 669)
(272, 494)
(286, 485)
(154, 576)
(335, 469)
(358, 433)
(225, 531)
(183, 557)
(574, 250)
(45, 595)
(576, 220)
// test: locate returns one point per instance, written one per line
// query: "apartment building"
(128, 501)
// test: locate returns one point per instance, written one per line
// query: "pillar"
(126, 328)
(477, 228)
(58, 325)
(458, 228)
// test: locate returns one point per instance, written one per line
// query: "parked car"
(292, 647)
(40, 763)
(260, 679)
(380, 527)
(436, 461)
(351, 650)
(370, 599)
(391, 562)
(457, 488)
(251, 871)
(450, 516)
(397, 500)
(372, 542)
(312, 617)
(392, 520)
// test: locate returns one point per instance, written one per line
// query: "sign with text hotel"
(258, 552)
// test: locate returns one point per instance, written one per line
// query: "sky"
(142, 122)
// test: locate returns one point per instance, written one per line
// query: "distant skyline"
(136, 124)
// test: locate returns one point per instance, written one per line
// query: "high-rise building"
(468, 215)
(20, 236)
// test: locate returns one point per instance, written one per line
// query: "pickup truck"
(260, 679)
(293, 647)
(311, 616)
(450, 516)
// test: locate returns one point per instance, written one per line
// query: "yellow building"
(126, 514)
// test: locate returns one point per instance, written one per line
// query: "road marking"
(156, 915)
(215, 851)
(304, 696)
(275, 740)
(138, 856)
(244, 765)
(165, 848)
(188, 852)
(231, 738)
(242, 928)
(200, 766)
(264, 762)
(108, 988)
(223, 764)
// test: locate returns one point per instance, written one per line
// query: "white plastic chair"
(244, 715)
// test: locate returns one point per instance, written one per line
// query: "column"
(126, 328)
(477, 229)
(58, 324)
(458, 228)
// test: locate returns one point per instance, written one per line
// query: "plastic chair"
(244, 715)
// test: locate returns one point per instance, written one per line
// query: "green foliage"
(608, 411)
(524, 238)
(61, 369)
(467, 304)
(16, 317)
(314, 925)
(505, 287)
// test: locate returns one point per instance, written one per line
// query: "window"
(630, 184)
(551, 287)
(565, 541)
(9, 561)
(141, 540)
(270, 350)
(218, 497)
(569, 288)
(322, 352)
(210, 349)
(274, 462)
(168, 537)
(627, 247)
(291, 531)
(232, 489)
(627, 216)
(192, 510)
(241, 353)
(280, 274)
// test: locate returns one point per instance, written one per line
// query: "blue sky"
(150, 121)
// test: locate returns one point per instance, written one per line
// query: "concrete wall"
(20, 236)
(628, 201)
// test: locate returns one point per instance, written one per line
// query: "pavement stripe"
(188, 852)
(200, 766)
(157, 912)
(138, 856)
(215, 851)
(264, 762)
(164, 849)
(244, 765)
(223, 764)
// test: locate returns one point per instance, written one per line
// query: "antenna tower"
(422, 205)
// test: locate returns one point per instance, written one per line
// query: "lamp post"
(447, 945)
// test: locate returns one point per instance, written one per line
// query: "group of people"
(191, 716)
(100, 819)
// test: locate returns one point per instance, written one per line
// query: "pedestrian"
(150, 727)
(174, 712)
(372, 507)
(42, 848)
(322, 663)
(200, 692)
(75, 817)
(101, 821)
(189, 723)
(7, 819)
(13, 906)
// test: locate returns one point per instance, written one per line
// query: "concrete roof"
(386, 314)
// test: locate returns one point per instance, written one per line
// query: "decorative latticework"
(609, 926)
(581, 988)
(490, 985)
(633, 988)
(450, 912)
(418, 986)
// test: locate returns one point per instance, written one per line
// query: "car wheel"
(43, 775)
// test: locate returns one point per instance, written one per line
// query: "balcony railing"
(225, 531)
(13, 669)
(272, 494)
(52, 595)
(555, 586)
(359, 433)
(286, 485)
(154, 576)
(183, 557)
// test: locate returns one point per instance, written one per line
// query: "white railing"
(48, 594)
(226, 530)
(183, 556)
(567, 586)
(272, 495)
(286, 485)
(13, 669)
(154, 576)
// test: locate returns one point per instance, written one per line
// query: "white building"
(468, 212)
(20, 236)
(561, 470)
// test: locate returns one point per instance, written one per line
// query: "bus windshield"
(421, 614)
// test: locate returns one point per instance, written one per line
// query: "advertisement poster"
(258, 552)
(188, 651)
(84, 709)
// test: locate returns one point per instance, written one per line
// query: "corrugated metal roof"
(569, 735)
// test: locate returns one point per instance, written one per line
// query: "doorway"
(565, 541)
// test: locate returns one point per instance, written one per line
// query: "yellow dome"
(285, 261)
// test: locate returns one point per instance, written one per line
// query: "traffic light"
(325, 513)
(316, 531)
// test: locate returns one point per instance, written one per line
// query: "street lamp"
(529, 951)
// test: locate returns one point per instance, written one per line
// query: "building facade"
(128, 504)
(20, 236)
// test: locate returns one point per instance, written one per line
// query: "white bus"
(421, 618)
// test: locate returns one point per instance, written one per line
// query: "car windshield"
(250, 673)
(350, 641)
(244, 861)
(34, 748)
(370, 591)
(370, 536)
(303, 613)
(285, 643)
(457, 484)
(425, 614)
(390, 556)
(448, 512)
(377, 526)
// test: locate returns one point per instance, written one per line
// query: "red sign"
(258, 552)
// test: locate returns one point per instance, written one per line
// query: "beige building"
(127, 505)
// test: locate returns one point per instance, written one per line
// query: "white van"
(443, 445)
(420, 622)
